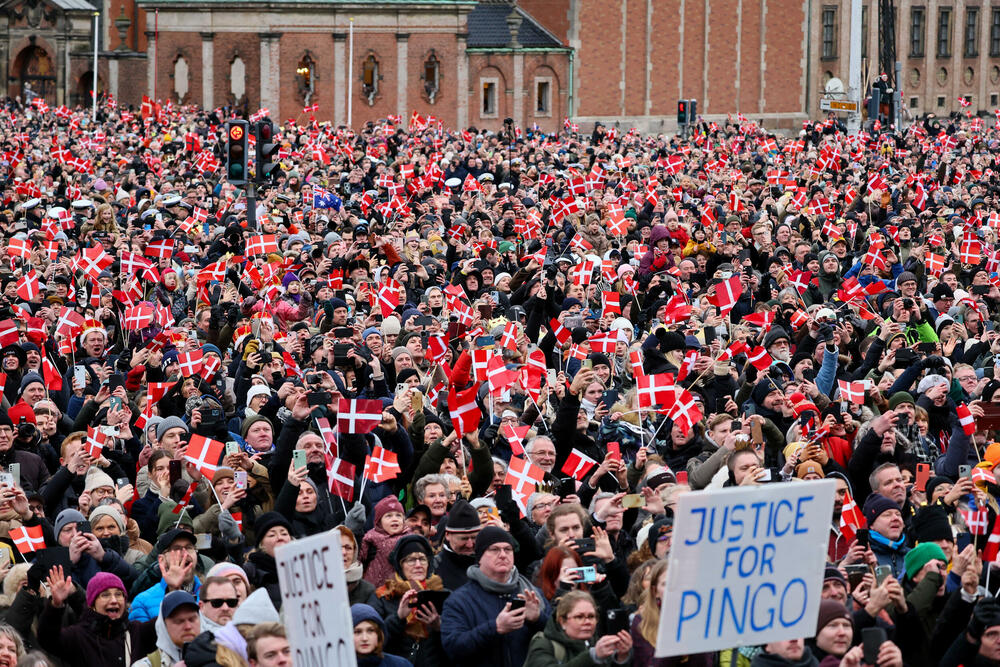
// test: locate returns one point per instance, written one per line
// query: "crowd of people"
(492, 363)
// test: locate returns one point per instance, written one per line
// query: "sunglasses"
(232, 603)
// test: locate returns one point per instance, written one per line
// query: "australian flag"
(324, 199)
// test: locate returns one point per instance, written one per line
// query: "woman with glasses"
(411, 630)
(569, 637)
(103, 635)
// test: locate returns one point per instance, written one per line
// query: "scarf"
(354, 572)
(393, 589)
(515, 584)
(886, 542)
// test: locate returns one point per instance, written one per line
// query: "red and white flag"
(759, 358)
(851, 518)
(94, 444)
(205, 454)
(186, 499)
(381, 465)
(852, 392)
(515, 437)
(655, 390)
(523, 477)
(727, 293)
(465, 412)
(190, 363)
(966, 419)
(340, 475)
(578, 464)
(358, 415)
(28, 539)
(977, 521)
(992, 547)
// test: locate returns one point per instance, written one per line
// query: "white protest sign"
(746, 566)
(314, 601)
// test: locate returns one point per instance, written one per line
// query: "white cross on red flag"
(340, 475)
(465, 412)
(523, 477)
(381, 465)
(358, 415)
(578, 464)
(205, 454)
(852, 392)
(28, 539)
(190, 362)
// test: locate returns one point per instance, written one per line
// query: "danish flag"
(19, 248)
(561, 333)
(28, 539)
(578, 464)
(207, 454)
(851, 518)
(605, 343)
(759, 358)
(498, 375)
(727, 293)
(138, 317)
(261, 244)
(465, 413)
(853, 392)
(934, 263)
(185, 501)
(508, 340)
(523, 477)
(966, 419)
(95, 442)
(358, 415)
(654, 390)
(515, 437)
(190, 363)
(381, 465)
(163, 249)
(977, 521)
(340, 474)
(28, 286)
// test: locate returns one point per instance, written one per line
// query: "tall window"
(432, 74)
(543, 97)
(306, 78)
(864, 31)
(971, 37)
(995, 33)
(918, 28)
(369, 78)
(829, 32)
(489, 99)
(944, 32)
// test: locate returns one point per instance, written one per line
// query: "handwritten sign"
(746, 566)
(314, 601)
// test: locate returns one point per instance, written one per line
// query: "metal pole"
(97, 22)
(251, 207)
(854, 70)
(897, 99)
(350, 71)
(156, 44)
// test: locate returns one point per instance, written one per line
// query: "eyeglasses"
(500, 549)
(232, 603)
(416, 558)
(582, 617)
(182, 547)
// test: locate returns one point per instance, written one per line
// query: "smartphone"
(83, 527)
(615, 451)
(6, 479)
(583, 545)
(862, 537)
(516, 604)
(551, 377)
(455, 330)
(401, 388)
(720, 404)
(80, 375)
(881, 572)
(855, 575)
(15, 473)
(299, 458)
(315, 398)
(682, 476)
(766, 477)
(587, 363)
(633, 500)
(175, 471)
(343, 332)
(122, 482)
(809, 374)
(503, 496)
(927, 348)
(485, 310)
(485, 342)
(709, 334)
(923, 474)
(609, 398)
(902, 420)
(115, 381)
(616, 620)
(240, 478)
(588, 574)
(965, 471)
(232, 447)
(566, 487)
(115, 403)
(756, 434)
(871, 641)
(436, 598)
(963, 540)
(203, 541)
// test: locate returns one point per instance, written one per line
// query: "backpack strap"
(557, 649)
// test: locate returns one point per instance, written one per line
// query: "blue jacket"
(146, 604)
(469, 629)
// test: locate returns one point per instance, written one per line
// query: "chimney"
(514, 24)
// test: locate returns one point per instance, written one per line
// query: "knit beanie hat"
(829, 611)
(226, 569)
(250, 421)
(930, 524)
(267, 521)
(66, 517)
(386, 505)
(462, 518)
(933, 483)
(920, 555)
(875, 505)
(111, 511)
(30, 378)
(489, 536)
(96, 478)
(101, 582)
(900, 397)
(905, 277)
(411, 544)
(167, 424)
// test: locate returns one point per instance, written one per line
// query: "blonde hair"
(649, 624)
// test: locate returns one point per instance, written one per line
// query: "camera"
(907, 303)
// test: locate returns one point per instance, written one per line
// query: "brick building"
(472, 62)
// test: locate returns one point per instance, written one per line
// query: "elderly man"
(480, 624)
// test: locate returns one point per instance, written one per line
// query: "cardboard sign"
(746, 566)
(314, 601)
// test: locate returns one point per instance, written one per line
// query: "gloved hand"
(986, 614)
(826, 333)
(356, 517)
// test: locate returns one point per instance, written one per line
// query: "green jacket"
(552, 647)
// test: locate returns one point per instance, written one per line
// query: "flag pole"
(97, 22)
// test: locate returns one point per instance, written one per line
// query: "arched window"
(306, 76)
(432, 77)
(238, 78)
(180, 78)
(369, 78)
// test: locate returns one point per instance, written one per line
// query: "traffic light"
(682, 112)
(267, 153)
(236, 151)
